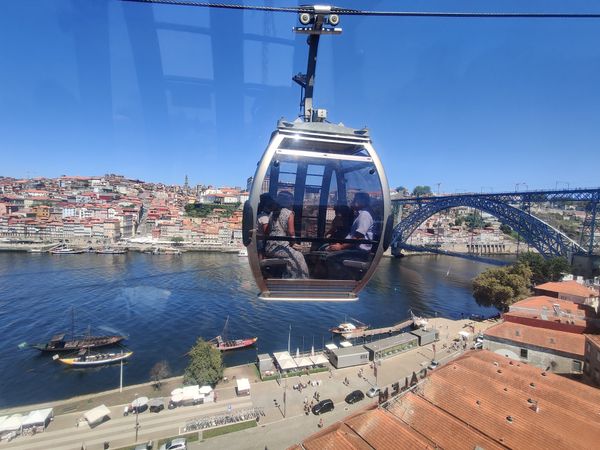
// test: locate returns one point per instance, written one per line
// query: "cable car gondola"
(318, 217)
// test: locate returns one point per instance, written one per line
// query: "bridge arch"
(544, 238)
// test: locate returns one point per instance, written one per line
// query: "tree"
(502, 286)
(177, 240)
(159, 372)
(402, 190)
(421, 191)
(206, 364)
(544, 270)
(506, 229)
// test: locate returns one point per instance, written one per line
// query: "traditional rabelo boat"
(58, 343)
(223, 344)
(87, 359)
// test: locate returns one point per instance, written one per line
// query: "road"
(274, 431)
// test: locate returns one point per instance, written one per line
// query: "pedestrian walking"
(321, 422)
(305, 400)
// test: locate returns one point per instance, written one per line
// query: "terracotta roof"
(568, 287)
(382, 431)
(541, 337)
(594, 339)
(550, 317)
(479, 400)
(541, 301)
(443, 429)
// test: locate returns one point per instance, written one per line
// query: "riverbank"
(282, 405)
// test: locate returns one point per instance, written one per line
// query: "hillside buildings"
(93, 211)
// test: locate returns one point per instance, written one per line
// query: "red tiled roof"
(479, 400)
(567, 287)
(541, 337)
(541, 301)
(594, 339)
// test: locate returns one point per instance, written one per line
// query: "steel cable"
(356, 12)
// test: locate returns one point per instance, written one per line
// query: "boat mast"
(313, 21)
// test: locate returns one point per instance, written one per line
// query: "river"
(163, 303)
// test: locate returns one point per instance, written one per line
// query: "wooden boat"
(233, 344)
(349, 327)
(111, 251)
(87, 359)
(58, 343)
(224, 344)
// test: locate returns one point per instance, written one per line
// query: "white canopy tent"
(331, 346)
(96, 415)
(319, 359)
(243, 386)
(12, 424)
(303, 362)
(345, 344)
(205, 390)
(39, 418)
(284, 360)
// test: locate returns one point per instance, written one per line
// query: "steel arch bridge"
(511, 208)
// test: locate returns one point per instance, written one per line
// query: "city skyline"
(157, 92)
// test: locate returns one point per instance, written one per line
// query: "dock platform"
(372, 332)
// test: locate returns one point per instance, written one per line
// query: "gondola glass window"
(318, 210)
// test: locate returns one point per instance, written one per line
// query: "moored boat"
(111, 251)
(349, 327)
(87, 359)
(224, 344)
(233, 344)
(58, 343)
(65, 251)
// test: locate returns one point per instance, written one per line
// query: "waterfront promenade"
(281, 432)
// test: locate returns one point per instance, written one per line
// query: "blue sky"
(158, 92)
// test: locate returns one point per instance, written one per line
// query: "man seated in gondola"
(362, 226)
(349, 260)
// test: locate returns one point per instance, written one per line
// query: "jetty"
(374, 331)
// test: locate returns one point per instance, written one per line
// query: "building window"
(576, 366)
(524, 353)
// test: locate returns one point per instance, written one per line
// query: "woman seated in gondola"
(281, 223)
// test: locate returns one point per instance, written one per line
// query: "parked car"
(354, 396)
(433, 364)
(175, 444)
(373, 391)
(145, 446)
(156, 405)
(323, 406)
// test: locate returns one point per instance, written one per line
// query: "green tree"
(421, 191)
(502, 286)
(402, 190)
(506, 229)
(206, 364)
(544, 270)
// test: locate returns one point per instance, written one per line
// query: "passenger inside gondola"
(341, 223)
(281, 223)
(266, 206)
(362, 226)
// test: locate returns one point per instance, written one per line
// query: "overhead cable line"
(356, 12)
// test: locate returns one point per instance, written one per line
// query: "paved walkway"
(274, 430)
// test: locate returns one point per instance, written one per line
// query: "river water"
(163, 303)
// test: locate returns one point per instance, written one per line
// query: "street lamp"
(137, 423)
